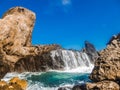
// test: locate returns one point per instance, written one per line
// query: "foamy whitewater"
(76, 71)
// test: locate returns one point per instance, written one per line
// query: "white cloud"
(58, 5)
(66, 2)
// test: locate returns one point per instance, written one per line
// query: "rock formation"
(14, 84)
(106, 72)
(16, 50)
(103, 85)
(91, 51)
(107, 65)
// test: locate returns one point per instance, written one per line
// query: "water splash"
(72, 59)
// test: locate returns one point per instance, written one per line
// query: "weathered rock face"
(16, 50)
(107, 67)
(91, 51)
(103, 85)
(15, 32)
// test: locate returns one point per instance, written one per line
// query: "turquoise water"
(51, 80)
(56, 79)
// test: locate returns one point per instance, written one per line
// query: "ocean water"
(52, 79)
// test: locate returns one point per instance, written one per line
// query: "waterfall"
(72, 59)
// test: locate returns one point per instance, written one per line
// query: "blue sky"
(71, 22)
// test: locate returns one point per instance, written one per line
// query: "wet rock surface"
(64, 88)
(14, 84)
(79, 87)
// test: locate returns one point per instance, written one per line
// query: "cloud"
(66, 2)
(66, 5)
(58, 6)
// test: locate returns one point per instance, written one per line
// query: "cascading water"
(72, 59)
(77, 66)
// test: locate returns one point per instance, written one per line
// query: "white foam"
(77, 70)
(38, 86)
(23, 75)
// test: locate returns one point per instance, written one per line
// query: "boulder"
(80, 87)
(103, 85)
(64, 88)
(14, 84)
(3, 83)
(22, 83)
(11, 87)
(107, 66)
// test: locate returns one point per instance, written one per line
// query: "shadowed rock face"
(4, 68)
(16, 50)
(91, 51)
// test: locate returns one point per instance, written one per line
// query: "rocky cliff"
(106, 72)
(16, 51)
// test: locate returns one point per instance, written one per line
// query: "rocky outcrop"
(22, 83)
(91, 51)
(103, 85)
(106, 72)
(14, 84)
(16, 51)
(107, 65)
